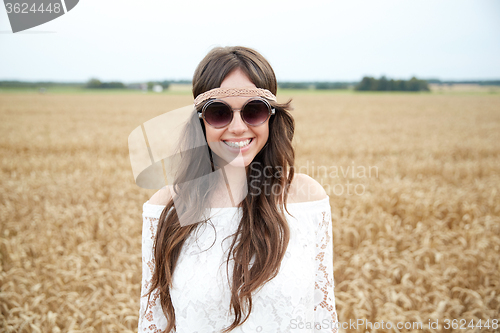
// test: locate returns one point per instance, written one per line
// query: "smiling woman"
(238, 135)
(259, 261)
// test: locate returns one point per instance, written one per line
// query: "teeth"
(239, 144)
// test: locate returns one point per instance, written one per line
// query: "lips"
(238, 144)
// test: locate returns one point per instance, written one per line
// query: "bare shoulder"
(304, 189)
(162, 197)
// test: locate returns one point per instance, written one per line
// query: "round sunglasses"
(217, 113)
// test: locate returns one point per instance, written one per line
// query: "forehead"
(237, 79)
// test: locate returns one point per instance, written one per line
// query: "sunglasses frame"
(272, 111)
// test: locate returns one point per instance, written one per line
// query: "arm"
(303, 189)
(325, 315)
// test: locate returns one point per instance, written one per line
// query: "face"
(222, 141)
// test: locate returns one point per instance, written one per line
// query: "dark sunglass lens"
(256, 112)
(218, 114)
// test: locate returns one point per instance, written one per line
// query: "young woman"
(239, 242)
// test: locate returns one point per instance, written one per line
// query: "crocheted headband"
(230, 92)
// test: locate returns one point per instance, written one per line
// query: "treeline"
(480, 82)
(383, 84)
(37, 84)
(97, 84)
(316, 85)
(366, 84)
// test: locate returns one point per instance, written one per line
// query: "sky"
(314, 40)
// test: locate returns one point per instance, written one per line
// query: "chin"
(241, 162)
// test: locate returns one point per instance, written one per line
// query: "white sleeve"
(151, 317)
(325, 315)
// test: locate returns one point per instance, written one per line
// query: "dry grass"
(422, 240)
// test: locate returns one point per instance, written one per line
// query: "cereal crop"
(413, 180)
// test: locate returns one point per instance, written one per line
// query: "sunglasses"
(219, 114)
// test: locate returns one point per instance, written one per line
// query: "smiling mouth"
(239, 144)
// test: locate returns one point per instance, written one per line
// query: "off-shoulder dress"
(299, 299)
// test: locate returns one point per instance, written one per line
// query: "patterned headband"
(230, 92)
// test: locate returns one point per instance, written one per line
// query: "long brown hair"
(263, 233)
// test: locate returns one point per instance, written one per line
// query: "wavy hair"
(263, 233)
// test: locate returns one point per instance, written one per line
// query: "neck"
(233, 187)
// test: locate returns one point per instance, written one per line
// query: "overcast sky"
(309, 40)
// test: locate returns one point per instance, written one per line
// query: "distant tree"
(424, 85)
(93, 84)
(399, 85)
(366, 84)
(319, 85)
(413, 84)
(323, 85)
(97, 84)
(165, 84)
(331, 85)
(113, 85)
(383, 84)
(294, 85)
(417, 85)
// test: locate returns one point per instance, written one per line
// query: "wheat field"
(413, 179)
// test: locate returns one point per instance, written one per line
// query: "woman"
(260, 258)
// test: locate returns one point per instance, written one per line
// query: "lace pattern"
(299, 299)
(324, 308)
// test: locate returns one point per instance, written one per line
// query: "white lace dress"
(299, 299)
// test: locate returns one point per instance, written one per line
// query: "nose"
(237, 125)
